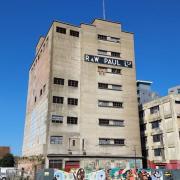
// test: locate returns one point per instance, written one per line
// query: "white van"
(3, 172)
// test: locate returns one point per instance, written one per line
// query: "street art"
(111, 174)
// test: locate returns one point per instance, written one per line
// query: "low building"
(160, 132)
(4, 150)
(174, 90)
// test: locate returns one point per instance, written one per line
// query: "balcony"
(154, 117)
(167, 115)
(156, 131)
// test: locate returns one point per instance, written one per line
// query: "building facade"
(174, 90)
(4, 150)
(160, 132)
(144, 92)
(82, 108)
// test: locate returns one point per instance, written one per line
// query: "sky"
(156, 24)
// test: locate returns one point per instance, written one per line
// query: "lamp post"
(135, 157)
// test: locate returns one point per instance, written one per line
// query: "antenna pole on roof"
(104, 10)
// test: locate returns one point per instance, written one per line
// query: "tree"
(7, 161)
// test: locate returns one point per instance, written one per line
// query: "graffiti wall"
(115, 173)
(92, 165)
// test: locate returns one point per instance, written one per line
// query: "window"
(157, 152)
(110, 104)
(35, 99)
(116, 87)
(110, 141)
(41, 92)
(119, 141)
(74, 143)
(102, 52)
(72, 101)
(73, 83)
(108, 38)
(103, 122)
(58, 100)
(116, 71)
(178, 91)
(177, 102)
(102, 86)
(61, 30)
(115, 54)
(103, 141)
(57, 119)
(117, 104)
(111, 122)
(114, 39)
(103, 103)
(102, 37)
(154, 110)
(55, 164)
(58, 81)
(155, 124)
(157, 138)
(72, 120)
(44, 88)
(109, 86)
(56, 139)
(118, 123)
(74, 33)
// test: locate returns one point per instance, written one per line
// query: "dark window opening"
(119, 141)
(115, 54)
(73, 83)
(61, 30)
(157, 138)
(58, 100)
(116, 71)
(157, 152)
(55, 164)
(102, 86)
(41, 91)
(154, 109)
(117, 104)
(72, 101)
(103, 122)
(155, 124)
(72, 120)
(74, 143)
(102, 37)
(74, 33)
(59, 81)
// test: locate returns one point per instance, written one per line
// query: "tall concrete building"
(160, 132)
(82, 108)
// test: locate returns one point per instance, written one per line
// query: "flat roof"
(143, 82)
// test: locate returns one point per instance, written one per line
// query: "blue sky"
(156, 25)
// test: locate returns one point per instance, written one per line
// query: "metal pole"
(135, 157)
(104, 11)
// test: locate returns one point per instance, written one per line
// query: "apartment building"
(174, 90)
(82, 108)
(160, 132)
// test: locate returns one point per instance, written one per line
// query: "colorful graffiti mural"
(111, 174)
